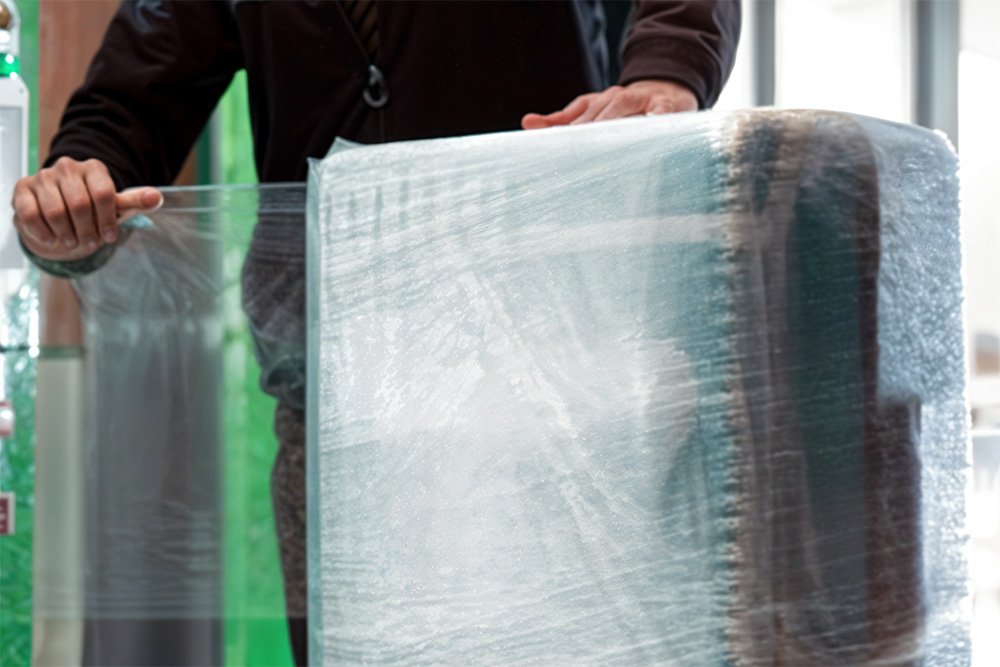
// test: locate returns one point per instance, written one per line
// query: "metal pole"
(935, 72)
(764, 50)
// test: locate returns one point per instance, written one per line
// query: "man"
(366, 71)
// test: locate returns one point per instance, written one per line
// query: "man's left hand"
(635, 99)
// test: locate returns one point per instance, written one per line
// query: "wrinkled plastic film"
(922, 363)
(683, 390)
(180, 545)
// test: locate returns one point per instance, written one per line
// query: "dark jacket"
(450, 68)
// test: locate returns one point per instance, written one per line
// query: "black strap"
(363, 16)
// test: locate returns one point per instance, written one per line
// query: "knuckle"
(23, 184)
(65, 164)
(102, 194)
(54, 214)
(79, 206)
(25, 212)
(93, 164)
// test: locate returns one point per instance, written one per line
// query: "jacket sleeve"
(691, 42)
(152, 86)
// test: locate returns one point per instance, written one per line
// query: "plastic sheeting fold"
(679, 390)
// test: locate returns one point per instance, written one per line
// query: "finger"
(673, 103)
(81, 210)
(662, 106)
(533, 121)
(625, 103)
(597, 105)
(53, 208)
(28, 218)
(572, 111)
(562, 117)
(137, 200)
(102, 194)
(687, 102)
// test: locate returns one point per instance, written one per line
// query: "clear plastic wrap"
(181, 556)
(681, 390)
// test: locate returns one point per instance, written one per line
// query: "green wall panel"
(256, 632)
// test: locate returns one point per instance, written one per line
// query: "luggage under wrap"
(679, 390)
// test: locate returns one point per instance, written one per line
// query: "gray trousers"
(273, 294)
(288, 494)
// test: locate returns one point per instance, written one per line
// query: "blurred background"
(930, 62)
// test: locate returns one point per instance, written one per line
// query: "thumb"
(133, 201)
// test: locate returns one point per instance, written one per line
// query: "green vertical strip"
(235, 139)
(17, 472)
(17, 476)
(256, 632)
(17, 465)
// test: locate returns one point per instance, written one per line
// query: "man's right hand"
(69, 210)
